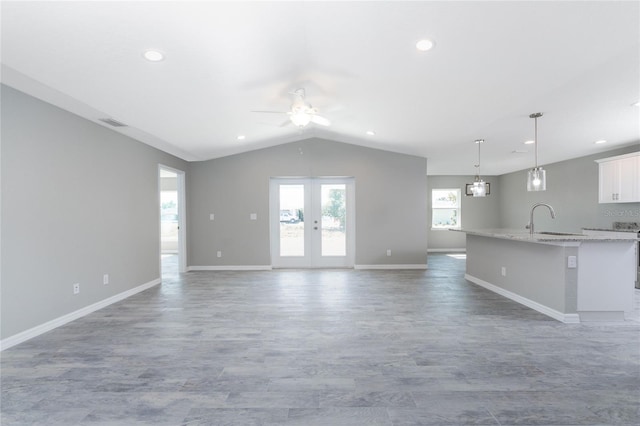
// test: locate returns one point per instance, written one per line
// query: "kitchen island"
(569, 277)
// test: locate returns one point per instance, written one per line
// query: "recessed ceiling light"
(371, 133)
(424, 45)
(153, 55)
(240, 137)
(529, 142)
(600, 142)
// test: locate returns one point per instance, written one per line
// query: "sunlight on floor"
(458, 255)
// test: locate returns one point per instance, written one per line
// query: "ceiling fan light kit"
(302, 113)
(300, 118)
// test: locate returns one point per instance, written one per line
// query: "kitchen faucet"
(530, 225)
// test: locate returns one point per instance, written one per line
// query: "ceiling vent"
(112, 122)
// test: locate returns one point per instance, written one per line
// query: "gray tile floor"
(324, 347)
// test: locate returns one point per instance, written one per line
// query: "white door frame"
(182, 213)
(312, 257)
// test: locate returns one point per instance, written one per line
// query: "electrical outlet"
(572, 262)
(388, 252)
(253, 216)
(219, 254)
(76, 288)
(105, 279)
(503, 271)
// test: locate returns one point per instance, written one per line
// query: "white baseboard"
(403, 266)
(230, 268)
(60, 321)
(269, 267)
(446, 250)
(557, 315)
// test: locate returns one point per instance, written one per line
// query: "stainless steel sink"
(559, 233)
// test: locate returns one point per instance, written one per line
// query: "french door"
(312, 222)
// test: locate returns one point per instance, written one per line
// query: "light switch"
(253, 216)
(572, 262)
(211, 216)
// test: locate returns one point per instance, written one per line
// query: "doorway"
(312, 222)
(172, 223)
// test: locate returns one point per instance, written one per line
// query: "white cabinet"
(619, 179)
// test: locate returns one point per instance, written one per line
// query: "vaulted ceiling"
(493, 64)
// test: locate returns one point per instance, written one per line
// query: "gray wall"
(78, 201)
(391, 201)
(476, 212)
(572, 190)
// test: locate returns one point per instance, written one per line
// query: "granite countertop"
(523, 235)
(612, 230)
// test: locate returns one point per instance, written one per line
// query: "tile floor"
(324, 347)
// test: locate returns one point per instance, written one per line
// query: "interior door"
(312, 222)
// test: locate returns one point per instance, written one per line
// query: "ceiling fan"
(301, 113)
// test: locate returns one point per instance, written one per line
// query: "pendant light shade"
(537, 177)
(479, 187)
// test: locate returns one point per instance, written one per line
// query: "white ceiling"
(494, 63)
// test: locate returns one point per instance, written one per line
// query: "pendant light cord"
(479, 142)
(535, 140)
(478, 178)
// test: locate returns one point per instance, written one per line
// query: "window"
(445, 208)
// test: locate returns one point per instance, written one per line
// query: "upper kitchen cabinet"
(619, 179)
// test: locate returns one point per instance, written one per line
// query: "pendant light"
(537, 177)
(479, 188)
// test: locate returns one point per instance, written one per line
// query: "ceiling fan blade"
(320, 120)
(273, 112)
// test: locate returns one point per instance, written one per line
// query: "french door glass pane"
(292, 220)
(334, 215)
